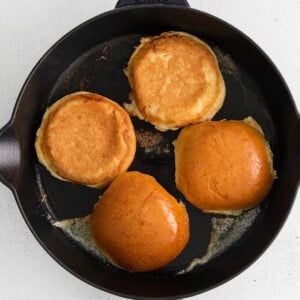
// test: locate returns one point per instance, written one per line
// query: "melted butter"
(79, 230)
(226, 63)
(225, 232)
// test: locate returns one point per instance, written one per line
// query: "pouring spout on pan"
(9, 156)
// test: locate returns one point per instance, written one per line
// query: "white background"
(27, 29)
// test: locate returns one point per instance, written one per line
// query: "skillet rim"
(11, 122)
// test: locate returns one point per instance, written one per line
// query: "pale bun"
(175, 81)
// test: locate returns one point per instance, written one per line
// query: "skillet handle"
(123, 3)
(9, 156)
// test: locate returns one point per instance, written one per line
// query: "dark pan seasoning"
(92, 57)
(225, 230)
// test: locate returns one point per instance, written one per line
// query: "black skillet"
(91, 57)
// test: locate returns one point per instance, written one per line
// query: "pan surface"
(92, 59)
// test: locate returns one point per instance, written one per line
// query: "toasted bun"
(138, 225)
(175, 81)
(224, 166)
(86, 138)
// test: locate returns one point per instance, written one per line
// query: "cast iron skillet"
(91, 57)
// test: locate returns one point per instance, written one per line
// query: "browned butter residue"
(226, 63)
(148, 139)
(226, 230)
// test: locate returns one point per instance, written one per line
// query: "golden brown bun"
(175, 81)
(86, 138)
(224, 166)
(138, 225)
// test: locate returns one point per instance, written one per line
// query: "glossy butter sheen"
(138, 225)
(223, 166)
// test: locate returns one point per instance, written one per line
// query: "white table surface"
(27, 29)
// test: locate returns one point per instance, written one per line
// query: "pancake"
(86, 138)
(224, 166)
(138, 225)
(175, 81)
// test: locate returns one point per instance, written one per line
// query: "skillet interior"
(91, 58)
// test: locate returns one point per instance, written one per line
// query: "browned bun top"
(138, 225)
(175, 81)
(86, 138)
(223, 166)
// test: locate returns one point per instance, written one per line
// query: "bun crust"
(224, 166)
(86, 138)
(175, 81)
(138, 225)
